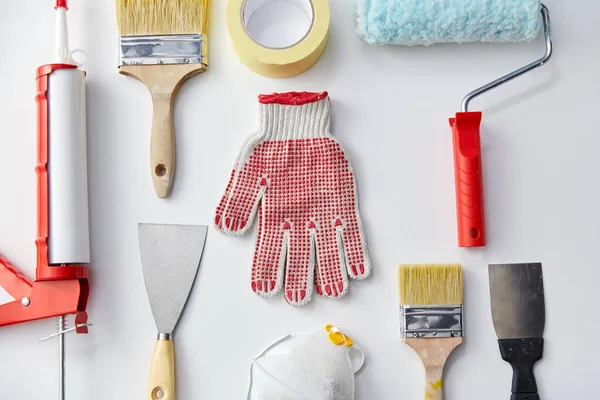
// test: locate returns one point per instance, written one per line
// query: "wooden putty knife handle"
(522, 354)
(161, 384)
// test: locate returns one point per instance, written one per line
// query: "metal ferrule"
(164, 336)
(435, 321)
(163, 49)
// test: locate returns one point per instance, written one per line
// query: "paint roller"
(415, 22)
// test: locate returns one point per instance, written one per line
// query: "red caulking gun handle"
(468, 179)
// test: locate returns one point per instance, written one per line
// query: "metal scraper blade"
(170, 260)
(517, 296)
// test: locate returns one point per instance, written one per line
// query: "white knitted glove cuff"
(301, 116)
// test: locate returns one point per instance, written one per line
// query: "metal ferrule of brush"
(163, 49)
(436, 321)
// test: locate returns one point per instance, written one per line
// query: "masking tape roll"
(278, 62)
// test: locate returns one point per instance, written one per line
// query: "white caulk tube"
(68, 239)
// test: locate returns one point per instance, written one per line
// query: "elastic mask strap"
(357, 360)
(267, 373)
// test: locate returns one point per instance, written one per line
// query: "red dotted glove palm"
(299, 181)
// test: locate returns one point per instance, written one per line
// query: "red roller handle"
(468, 179)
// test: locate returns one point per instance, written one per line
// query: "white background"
(390, 109)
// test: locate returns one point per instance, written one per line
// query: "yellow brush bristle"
(430, 284)
(162, 17)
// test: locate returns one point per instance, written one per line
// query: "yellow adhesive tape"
(279, 62)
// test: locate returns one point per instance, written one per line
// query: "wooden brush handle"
(162, 143)
(163, 82)
(161, 384)
(434, 382)
(434, 353)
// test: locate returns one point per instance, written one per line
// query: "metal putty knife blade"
(517, 296)
(170, 260)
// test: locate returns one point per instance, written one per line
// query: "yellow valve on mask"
(337, 337)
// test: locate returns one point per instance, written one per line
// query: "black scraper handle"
(522, 354)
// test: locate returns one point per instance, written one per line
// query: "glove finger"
(269, 258)
(349, 223)
(247, 147)
(300, 265)
(331, 276)
(223, 203)
(355, 248)
(247, 191)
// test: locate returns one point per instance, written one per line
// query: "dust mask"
(306, 366)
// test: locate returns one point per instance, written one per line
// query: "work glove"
(295, 175)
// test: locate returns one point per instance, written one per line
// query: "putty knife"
(518, 311)
(170, 260)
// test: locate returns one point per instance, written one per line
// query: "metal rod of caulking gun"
(61, 325)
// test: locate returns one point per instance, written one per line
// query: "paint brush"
(431, 315)
(163, 43)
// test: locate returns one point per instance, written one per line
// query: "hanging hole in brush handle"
(80, 59)
(522, 354)
(547, 26)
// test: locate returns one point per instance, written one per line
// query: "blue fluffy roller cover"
(425, 22)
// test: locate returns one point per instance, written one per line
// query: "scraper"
(518, 311)
(170, 260)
